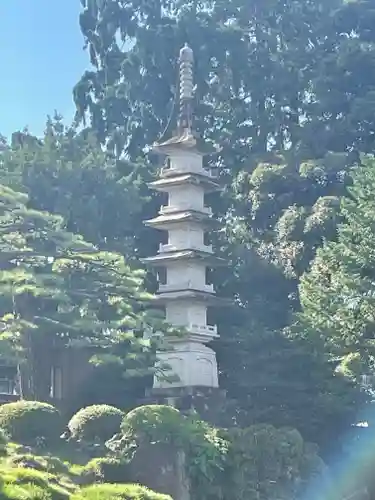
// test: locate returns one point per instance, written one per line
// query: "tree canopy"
(59, 290)
(337, 292)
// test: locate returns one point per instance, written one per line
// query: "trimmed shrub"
(152, 422)
(118, 491)
(96, 423)
(106, 470)
(27, 422)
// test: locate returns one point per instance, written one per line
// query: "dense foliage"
(337, 293)
(95, 423)
(29, 421)
(36, 472)
(257, 462)
(106, 469)
(144, 421)
(58, 290)
(68, 174)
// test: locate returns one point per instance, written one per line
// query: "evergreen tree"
(254, 64)
(337, 294)
(286, 207)
(283, 213)
(282, 381)
(57, 290)
(67, 173)
(340, 115)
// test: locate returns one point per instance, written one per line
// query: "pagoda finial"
(186, 62)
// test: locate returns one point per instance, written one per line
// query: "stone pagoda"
(186, 256)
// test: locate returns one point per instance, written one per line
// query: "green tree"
(337, 293)
(287, 206)
(283, 382)
(254, 67)
(283, 212)
(58, 290)
(67, 173)
(255, 61)
(339, 116)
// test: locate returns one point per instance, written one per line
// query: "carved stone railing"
(203, 329)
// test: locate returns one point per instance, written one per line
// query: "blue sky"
(41, 58)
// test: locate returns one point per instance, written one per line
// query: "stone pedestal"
(191, 363)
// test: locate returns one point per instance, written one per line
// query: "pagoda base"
(190, 364)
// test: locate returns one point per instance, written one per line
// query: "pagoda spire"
(186, 87)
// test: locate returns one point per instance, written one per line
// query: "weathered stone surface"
(161, 468)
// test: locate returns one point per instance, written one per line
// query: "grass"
(31, 474)
(118, 491)
(21, 483)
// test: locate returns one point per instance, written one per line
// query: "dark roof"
(207, 182)
(183, 216)
(164, 257)
(209, 298)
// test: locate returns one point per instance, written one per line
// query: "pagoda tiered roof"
(210, 299)
(185, 140)
(163, 258)
(163, 221)
(172, 178)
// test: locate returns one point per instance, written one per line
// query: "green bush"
(95, 423)
(28, 421)
(263, 458)
(153, 422)
(118, 491)
(107, 470)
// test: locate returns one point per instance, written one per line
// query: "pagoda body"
(185, 294)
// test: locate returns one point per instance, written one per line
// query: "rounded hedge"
(95, 423)
(107, 470)
(153, 422)
(26, 422)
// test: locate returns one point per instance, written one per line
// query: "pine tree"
(58, 290)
